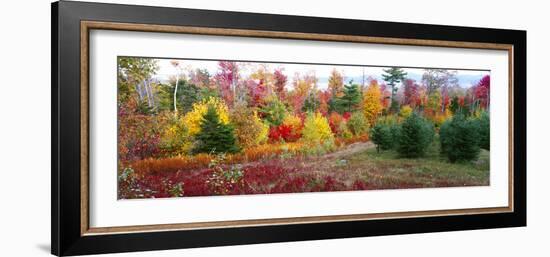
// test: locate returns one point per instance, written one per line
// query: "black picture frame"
(66, 237)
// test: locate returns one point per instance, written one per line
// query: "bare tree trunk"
(443, 104)
(175, 93)
(234, 91)
(149, 91)
(363, 82)
(152, 94)
(139, 91)
(146, 89)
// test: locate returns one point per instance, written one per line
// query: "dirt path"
(329, 164)
(350, 150)
(338, 154)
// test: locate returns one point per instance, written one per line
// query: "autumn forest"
(209, 127)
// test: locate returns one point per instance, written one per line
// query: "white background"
(106, 211)
(25, 134)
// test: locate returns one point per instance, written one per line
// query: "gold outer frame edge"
(86, 26)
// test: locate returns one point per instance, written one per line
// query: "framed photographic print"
(177, 128)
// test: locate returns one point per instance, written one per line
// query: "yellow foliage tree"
(250, 130)
(434, 105)
(316, 129)
(439, 118)
(193, 118)
(372, 105)
(294, 122)
(175, 137)
(405, 111)
(262, 136)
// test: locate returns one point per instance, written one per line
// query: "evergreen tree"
(349, 101)
(393, 76)
(460, 139)
(414, 137)
(214, 136)
(187, 95)
(382, 136)
(333, 105)
(484, 131)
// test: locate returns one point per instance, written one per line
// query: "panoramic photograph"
(189, 127)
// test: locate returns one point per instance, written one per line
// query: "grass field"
(356, 166)
(387, 170)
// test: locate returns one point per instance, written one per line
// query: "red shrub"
(332, 184)
(346, 116)
(291, 185)
(282, 132)
(359, 185)
(334, 121)
(270, 176)
(197, 185)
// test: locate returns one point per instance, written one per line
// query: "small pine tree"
(484, 131)
(351, 97)
(349, 101)
(214, 136)
(381, 135)
(459, 138)
(415, 135)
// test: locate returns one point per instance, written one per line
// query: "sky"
(466, 78)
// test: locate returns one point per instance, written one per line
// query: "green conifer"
(414, 137)
(214, 136)
(459, 138)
